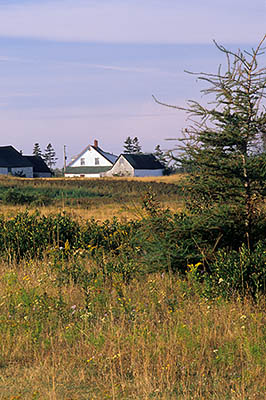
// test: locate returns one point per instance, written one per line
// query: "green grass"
(82, 193)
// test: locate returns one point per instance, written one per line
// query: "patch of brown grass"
(103, 208)
(152, 338)
(101, 212)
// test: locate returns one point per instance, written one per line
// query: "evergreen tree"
(37, 150)
(160, 155)
(221, 147)
(264, 142)
(50, 156)
(136, 146)
(132, 145)
(128, 145)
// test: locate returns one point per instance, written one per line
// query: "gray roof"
(11, 158)
(38, 163)
(143, 161)
(110, 157)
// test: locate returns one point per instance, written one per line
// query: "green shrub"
(242, 271)
(31, 235)
(16, 196)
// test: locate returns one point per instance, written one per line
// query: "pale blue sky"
(75, 70)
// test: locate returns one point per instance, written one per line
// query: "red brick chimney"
(95, 143)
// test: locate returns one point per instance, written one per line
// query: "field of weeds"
(100, 198)
(154, 338)
(146, 307)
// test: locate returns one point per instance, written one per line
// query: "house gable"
(93, 156)
(121, 167)
(91, 162)
(109, 156)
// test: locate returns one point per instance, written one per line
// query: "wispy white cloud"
(9, 59)
(121, 68)
(104, 67)
(152, 21)
(17, 95)
(118, 68)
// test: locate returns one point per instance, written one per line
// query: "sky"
(72, 71)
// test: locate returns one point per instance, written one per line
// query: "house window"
(82, 161)
(97, 161)
(121, 161)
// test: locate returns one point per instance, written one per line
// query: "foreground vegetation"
(166, 305)
(155, 337)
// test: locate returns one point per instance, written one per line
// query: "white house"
(136, 165)
(91, 162)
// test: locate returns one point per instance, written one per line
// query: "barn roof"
(38, 164)
(11, 158)
(143, 161)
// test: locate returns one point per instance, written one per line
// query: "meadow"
(99, 198)
(130, 307)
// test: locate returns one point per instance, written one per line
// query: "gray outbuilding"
(136, 165)
(40, 168)
(12, 162)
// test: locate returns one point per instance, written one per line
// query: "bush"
(30, 236)
(15, 196)
(242, 271)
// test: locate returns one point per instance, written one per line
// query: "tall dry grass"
(112, 196)
(99, 211)
(154, 338)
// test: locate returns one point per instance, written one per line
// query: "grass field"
(67, 332)
(87, 198)
(152, 339)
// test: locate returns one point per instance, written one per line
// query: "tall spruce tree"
(136, 145)
(160, 155)
(132, 145)
(264, 142)
(50, 156)
(37, 150)
(223, 148)
(128, 145)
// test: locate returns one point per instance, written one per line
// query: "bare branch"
(168, 105)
